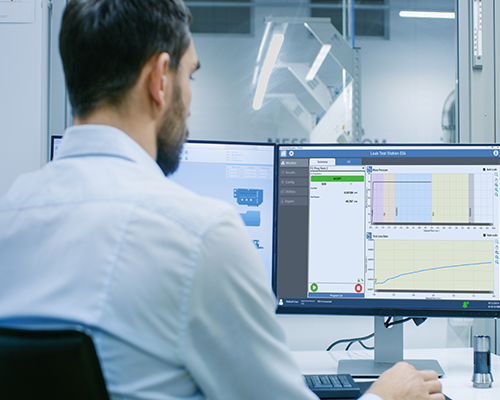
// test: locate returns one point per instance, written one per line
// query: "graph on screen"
(433, 266)
(432, 198)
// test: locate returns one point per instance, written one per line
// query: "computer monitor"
(55, 142)
(243, 175)
(388, 230)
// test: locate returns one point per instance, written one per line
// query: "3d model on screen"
(249, 197)
(251, 218)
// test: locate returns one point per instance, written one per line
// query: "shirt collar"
(103, 140)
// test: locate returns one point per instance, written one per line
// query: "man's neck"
(136, 127)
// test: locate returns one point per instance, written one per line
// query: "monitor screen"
(407, 230)
(241, 174)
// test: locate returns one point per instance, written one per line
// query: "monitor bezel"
(375, 310)
(53, 138)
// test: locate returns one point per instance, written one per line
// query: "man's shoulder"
(171, 200)
(113, 181)
(159, 195)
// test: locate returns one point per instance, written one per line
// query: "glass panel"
(406, 85)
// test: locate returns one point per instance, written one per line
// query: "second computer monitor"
(241, 174)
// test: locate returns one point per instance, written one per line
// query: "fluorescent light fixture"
(427, 14)
(267, 68)
(318, 62)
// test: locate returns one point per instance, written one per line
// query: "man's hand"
(404, 382)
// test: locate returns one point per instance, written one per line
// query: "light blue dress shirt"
(169, 282)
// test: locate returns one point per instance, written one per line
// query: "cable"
(417, 321)
(387, 324)
(362, 345)
(349, 341)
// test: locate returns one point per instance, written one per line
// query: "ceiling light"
(267, 68)
(427, 14)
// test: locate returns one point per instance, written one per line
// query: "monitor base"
(372, 369)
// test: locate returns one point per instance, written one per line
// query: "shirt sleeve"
(234, 347)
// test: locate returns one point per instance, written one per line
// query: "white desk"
(456, 363)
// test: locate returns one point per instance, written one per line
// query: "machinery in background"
(329, 109)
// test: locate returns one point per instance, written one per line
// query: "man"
(168, 282)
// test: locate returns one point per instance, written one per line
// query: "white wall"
(20, 98)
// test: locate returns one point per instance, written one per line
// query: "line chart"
(434, 266)
(430, 269)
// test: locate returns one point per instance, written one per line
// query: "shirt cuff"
(370, 396)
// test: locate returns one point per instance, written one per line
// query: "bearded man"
(168, 282)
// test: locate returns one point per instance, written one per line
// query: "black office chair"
(44, 364)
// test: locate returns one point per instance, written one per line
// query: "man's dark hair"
(105, 43)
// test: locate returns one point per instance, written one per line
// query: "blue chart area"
(437, 198)
(434, 266)
(401, 198)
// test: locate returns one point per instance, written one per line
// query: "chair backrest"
(44, 364)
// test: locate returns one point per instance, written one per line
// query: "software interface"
(241, 175)
(404, 223)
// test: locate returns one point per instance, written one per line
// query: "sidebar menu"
(293, 228)
(294, 182)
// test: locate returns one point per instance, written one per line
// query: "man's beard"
(172, 133)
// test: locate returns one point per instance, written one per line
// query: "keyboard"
(337, 386)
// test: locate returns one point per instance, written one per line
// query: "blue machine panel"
(249, 197)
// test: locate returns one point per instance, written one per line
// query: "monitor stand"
(388, 351)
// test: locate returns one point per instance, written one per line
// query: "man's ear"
(158, 81)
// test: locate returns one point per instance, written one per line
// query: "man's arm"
(234, 347)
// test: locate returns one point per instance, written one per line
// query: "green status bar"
(337, 178)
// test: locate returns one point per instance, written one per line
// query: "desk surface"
(456, 363)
